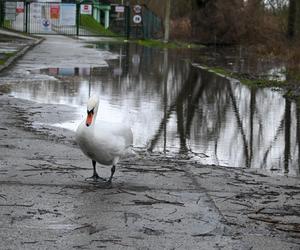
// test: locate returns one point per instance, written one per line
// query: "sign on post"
(137, 17)
(119, 9)
(137, 9)
(86, 9)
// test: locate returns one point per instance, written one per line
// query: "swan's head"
(92, 109)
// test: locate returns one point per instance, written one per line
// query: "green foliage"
(169, 45)
(7, 24)
(293, 74)
(7, 56)
(89, 23)
(5, 88)
(247, 80)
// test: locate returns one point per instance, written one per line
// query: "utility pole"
(167, 20)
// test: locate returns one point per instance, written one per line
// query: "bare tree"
(167, 20)
(291, 18)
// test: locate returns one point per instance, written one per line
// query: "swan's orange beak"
(89, 119)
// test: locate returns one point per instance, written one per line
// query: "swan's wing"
(116, 129)
(110, 139)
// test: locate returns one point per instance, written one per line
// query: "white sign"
(86, 9)
(46, 24)
(20, 7)
(137, 9)
(67, 14)
(10, 11)
(137, 19)
(36, 11)
(119, 9)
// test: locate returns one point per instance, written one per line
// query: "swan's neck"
(94, 118)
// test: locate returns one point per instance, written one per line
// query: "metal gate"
(89, 18)
(75, 19)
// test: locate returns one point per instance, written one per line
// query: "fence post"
(27, 18)
(1, 13)
(128, 22)
(77, 18)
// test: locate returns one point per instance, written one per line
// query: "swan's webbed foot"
(95, 178)
(109, 181)
(108, 184)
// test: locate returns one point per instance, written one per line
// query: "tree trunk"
(292, 19)
(298, 19)
(167, 20)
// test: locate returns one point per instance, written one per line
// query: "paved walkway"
(13, 46)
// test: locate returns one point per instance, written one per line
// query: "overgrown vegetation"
(169, 45)
(7, 23)
(271, 27)
(231, 21)
(6, 56)
(247, 79)
(89, 23)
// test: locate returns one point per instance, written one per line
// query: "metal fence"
(76, 19)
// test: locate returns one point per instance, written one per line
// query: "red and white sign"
(137, 9)
(54, 11)
(20, 7)
(86, 9)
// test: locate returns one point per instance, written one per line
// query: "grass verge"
(250, 81)
(169, 45)
(89, 23)
(6, 57)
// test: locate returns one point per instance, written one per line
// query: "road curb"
(20, 53)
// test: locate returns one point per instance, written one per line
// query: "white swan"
(102, 141)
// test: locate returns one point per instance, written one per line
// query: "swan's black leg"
(95, 175)
(113, 169)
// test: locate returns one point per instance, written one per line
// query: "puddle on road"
(176, 108)
(61, 72)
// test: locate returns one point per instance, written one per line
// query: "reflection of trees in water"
(243, 60)
(240, 127)
(287, 135)
(298, 133)
(198, 85)
(220, 118)
(202, 109)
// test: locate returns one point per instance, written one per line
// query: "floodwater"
(179, 109)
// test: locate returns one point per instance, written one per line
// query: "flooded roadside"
(178, 109)
(157, 201)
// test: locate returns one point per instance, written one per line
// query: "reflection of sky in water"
(174, 107)
(117, 109)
